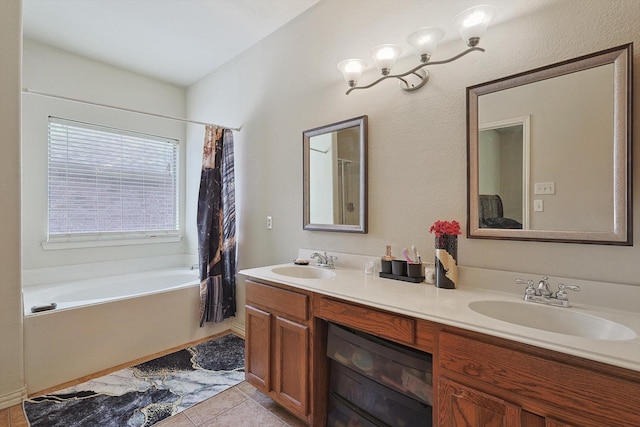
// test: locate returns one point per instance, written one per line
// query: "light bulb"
(424, 42)
(385, 57)
(473, 22)
(352, 70)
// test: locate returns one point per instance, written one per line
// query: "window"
(107, 183)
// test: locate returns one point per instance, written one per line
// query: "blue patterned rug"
(144, 394)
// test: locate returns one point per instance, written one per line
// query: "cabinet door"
(291, 367)
(461, 406)
(258, 348)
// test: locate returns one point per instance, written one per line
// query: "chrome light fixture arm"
(471, 23)
(423, 76)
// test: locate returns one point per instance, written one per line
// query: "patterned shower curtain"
(217, 227)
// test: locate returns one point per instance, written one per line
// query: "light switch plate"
(544, 188)
(538, 205)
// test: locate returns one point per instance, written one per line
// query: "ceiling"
(181, 41)
(177, 41)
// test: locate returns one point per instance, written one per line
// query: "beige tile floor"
(13, 417)
(241, 405)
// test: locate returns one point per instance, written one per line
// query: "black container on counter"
(414, 269)
(399, 267)
(386, 266)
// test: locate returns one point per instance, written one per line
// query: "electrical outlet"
(545, 188)
(269, 222)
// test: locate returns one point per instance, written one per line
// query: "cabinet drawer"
(531, 379)
(278, 301)
(387, 325)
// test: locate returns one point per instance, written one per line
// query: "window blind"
(109, 182)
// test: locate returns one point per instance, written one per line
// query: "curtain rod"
(162, 116)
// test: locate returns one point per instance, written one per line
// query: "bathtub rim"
(65, 285)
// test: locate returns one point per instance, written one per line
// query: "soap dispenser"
(386, 261)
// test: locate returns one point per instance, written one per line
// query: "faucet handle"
(562, 294)
(330, 260)
(530, 289)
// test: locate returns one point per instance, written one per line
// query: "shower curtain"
(217, 227)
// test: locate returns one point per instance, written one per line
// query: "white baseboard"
(13, 398)
(237, 328)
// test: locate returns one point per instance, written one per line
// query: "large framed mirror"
(335, 176)
(549, 152)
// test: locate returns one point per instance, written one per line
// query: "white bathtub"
(106, 322)
(104, 289)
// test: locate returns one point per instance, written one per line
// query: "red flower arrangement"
(445, 228)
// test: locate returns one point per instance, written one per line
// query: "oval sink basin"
(553, 319)
(303, 272)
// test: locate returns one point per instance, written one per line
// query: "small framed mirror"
(335, 177)
(549, 152)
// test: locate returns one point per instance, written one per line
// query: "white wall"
(12, 387)
(54, 71)
(417, 141)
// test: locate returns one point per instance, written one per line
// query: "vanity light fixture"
(471, 23)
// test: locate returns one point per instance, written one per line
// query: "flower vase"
(446, 261)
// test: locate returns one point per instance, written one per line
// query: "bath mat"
(144, 394)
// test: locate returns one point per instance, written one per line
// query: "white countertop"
(451, 307)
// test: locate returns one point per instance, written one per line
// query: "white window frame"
(99, 238)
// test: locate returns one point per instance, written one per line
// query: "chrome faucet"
(325, 260)
(542, 294)
(544, 290)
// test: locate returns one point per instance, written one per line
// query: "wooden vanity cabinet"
(278, 343)
(391, 326)
(478, 380)
(495, 382)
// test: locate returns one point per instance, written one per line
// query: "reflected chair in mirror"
(491, 213)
